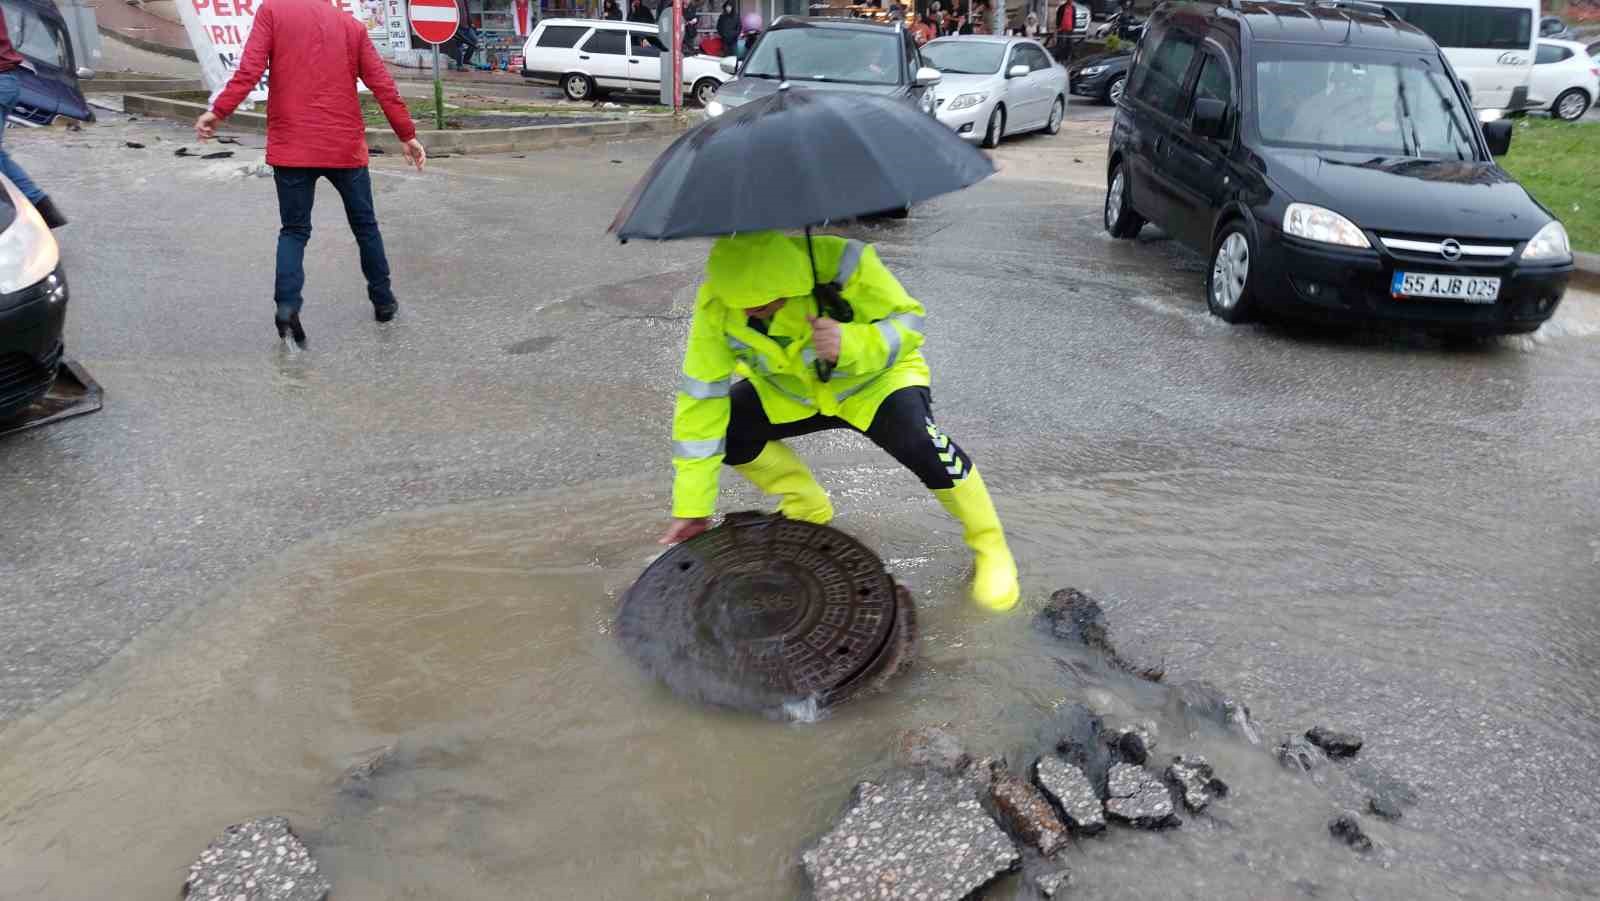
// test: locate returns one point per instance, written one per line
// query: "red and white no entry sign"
(434, 20)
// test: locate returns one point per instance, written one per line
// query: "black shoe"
(291, 328)
(385, 312)
(52, 216)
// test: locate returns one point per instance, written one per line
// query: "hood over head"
(752, 270)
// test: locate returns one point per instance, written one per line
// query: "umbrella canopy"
(797, 158)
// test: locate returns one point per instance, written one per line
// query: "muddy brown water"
(536, 762)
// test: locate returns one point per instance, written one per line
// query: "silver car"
(993, 87)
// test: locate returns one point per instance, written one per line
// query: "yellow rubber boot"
(778, 470)
(994, 579)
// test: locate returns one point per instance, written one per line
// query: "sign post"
(677, 58)
(435, 21)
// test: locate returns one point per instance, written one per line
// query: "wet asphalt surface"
(1366, 527)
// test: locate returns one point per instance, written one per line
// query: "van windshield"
(1388, 105)
(38, 40)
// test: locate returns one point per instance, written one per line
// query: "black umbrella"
(794, 159)
(797, 158)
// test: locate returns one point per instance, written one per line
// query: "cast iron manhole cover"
(764, 612)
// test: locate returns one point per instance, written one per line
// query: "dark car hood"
(744, 90)
(1463, 199)
(1118, 59)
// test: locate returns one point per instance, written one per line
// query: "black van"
(50, 86)
(1326, 158)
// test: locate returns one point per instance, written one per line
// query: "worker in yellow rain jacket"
(754, 316)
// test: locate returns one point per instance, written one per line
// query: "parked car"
(1325, 158)
(1103, 76)
(1490, 45)
(993, 87)
(831, 55)
(1556, 30)
(50, 83)
(589, 58)
(33, 302)
(1566, 80)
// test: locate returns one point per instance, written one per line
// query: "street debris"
(219, 155)
(1347, 828)
(1297, 753)
(1137, 797)
(133, 145)
(1023, 811)
(1069, 788)
(1385, 808)
(258, 860)
(1334, 744)
(910, 837)
(1195, 781)
(934, 748)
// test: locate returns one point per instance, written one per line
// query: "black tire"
(1571, 105)
(996, 128)
(1120, 219)
(1058, 115)
(1230, 291)
(1114, 89)
(578, 87)
(705, 90)
(902, 213)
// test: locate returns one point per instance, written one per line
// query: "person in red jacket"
(10, 89)
(315, 129)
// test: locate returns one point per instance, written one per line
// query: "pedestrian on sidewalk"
(315, 129)
(613, 11)
(728, 29)
(638, 12)
(10, 89)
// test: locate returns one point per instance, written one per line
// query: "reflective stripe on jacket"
(879, 354)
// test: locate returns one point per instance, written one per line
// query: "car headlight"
(1322, 225)
(1549, 244)
(1092, 70)
(715, 108)
(28, 251)
(965, 101)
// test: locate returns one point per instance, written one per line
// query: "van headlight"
(715, 108)
(28, 251)
(1314, 223)
(1549, 245)
(965, 101)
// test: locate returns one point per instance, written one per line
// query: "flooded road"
(252, 570)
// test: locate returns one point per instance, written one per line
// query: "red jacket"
(316, 51)
(9, 57)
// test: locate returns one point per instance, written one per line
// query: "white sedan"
(993, 87)
(1565, 79)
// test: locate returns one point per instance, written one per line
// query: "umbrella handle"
(824, 370)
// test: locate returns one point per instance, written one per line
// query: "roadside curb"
(149, 46)
(1586, 271)
(463, 141)
(141, 85)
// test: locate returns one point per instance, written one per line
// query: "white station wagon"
(590, 57)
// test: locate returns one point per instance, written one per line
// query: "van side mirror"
(1018, 71)
(1498, 136)
(730, 65)
(85, 73)
(1210, 118)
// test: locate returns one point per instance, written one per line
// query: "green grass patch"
(1559, 163)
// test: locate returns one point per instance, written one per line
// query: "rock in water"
(1204, 702)
(1347, 828)
(357, 780)
(1132, 746)
(260, 860)
(933, 747)
(1083, 743)
(1295, 753)
(1194, 779)
(1052, 883)
(914, 836)
(1139, 798)
(1336, 744)
(1069, 788)
(1386, 808)
(1025, 813)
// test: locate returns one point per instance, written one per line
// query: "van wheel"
(1571, 105)
(578, 86)
(1121, 220)
(1228, 287)
(997, 127)
(705, 91)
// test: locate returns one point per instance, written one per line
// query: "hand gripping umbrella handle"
(830, 303)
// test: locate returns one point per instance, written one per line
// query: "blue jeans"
(10, 89)
(296, 191)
